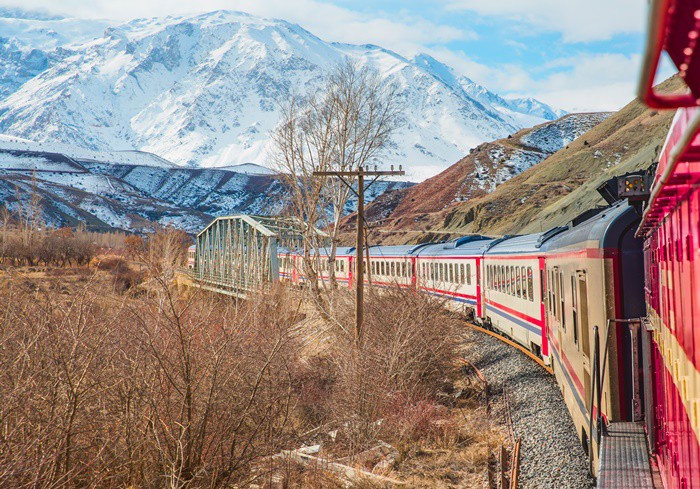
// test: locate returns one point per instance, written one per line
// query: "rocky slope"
(549, 194)
(480, 173)
(203, 90)
(130, 190)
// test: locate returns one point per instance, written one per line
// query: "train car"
(291, 265)
(592, 283)
(671, 236)
(453, 270)
(513, 300)
(392, 265)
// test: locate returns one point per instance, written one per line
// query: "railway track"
(525, 395)
(513, 344)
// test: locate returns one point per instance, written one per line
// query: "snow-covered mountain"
(129, 190)
(203, 90)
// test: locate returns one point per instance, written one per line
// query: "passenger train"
(545, 291)
(610, 301)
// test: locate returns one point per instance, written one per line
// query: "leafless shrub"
(405, 360)
(158, 389)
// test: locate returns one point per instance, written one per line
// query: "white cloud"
(403, 33)
(576, 20)
(588, 82)
(581, 83)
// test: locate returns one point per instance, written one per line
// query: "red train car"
(671, 230)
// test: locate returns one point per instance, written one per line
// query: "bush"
(407, 350)
(159, 389)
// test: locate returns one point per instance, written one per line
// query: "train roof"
(464, 246)
(339, 251)
(518, 244)
(400, 250)
(603, 229)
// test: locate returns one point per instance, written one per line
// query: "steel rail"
(513, 344)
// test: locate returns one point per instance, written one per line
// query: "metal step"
(624, 458)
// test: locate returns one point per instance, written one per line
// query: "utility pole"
(360, 174)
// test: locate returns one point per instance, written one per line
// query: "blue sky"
(579, 55)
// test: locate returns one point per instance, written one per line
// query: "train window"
(552, 289)
(441, 272)
(518, 283)
(574, 309)
(502, 283)
(562, 314)
(452, 273)
(530, 286)
(508, 284)
(463, 277)
(393, 269)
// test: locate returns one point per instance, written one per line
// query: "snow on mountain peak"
(203, 90)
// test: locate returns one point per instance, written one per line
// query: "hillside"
(548, 194)
(204, 90)
(481, 172)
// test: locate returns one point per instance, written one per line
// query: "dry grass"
(151, 385)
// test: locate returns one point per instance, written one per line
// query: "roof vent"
(549, 234)
(463, 240)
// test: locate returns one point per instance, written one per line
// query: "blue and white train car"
(453, 270)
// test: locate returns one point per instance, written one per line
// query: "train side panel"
(454, 278)
(512, 298)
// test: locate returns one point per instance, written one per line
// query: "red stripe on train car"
(518, 314)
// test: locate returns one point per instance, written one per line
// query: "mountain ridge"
(202, 91)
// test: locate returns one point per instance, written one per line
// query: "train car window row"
(455, 273)
(516, 281)
(393, 268)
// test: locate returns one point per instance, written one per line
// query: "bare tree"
(303, 144)
(365, 114)
(345, 123)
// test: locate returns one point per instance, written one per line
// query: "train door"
(630, 307)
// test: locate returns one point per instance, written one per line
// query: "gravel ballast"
(551, 455)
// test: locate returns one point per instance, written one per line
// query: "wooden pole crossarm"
(360, 174)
